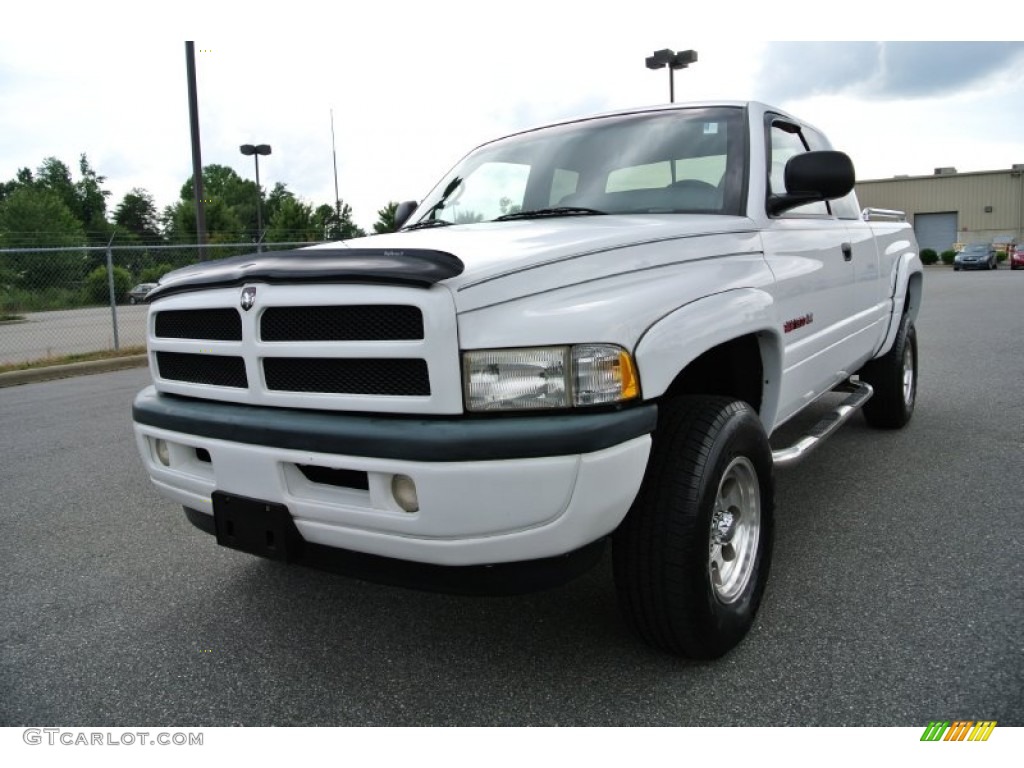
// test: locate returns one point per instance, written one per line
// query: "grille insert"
(206, 324)
(378, 322)
(348, 376)
(217, 370)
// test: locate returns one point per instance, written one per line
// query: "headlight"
(547, 377)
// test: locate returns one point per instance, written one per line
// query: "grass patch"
(19, 300)
(107, 354)
(9, 318)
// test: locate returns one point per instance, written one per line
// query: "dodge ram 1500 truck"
(586, 332)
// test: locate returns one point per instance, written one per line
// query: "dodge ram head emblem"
(248, 298)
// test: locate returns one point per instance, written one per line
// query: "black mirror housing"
(403, 212)
(812, 177)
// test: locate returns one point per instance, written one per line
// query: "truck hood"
(492, 249)
(540, 253)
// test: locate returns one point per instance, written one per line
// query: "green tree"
(22, 179)
(222, 222)
(137, 216)
(55, 176)
(291, 221)
(336, 225)
(34, 217)
(386, 219)
(85, 199)
(224, 187)
(278, 196)
(97, 285)
(92, 203)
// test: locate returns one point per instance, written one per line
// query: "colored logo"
(958, 730)
(798, 322)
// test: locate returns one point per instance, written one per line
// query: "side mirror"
(812, 177)
(403, 212)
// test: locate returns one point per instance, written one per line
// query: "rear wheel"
(894, 379)
(692, 557)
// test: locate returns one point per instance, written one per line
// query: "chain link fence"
(56, 302)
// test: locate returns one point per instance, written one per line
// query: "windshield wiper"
(426, 223)
(562, 210)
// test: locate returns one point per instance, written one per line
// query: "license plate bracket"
(258, 527)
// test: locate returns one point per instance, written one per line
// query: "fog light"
(162, 452)
(404, 491)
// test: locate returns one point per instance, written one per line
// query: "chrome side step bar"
(859, 393)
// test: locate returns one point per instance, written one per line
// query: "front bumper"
(495, 490)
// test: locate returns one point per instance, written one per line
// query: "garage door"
(935, 230)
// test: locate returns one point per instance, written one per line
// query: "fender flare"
(677, 339)
(906, 296)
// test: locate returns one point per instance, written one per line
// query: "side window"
(785, 143)
(845, 207)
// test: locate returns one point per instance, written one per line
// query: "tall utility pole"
(337, 198)
(197, 160)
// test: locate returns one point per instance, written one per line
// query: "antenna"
(334, 152)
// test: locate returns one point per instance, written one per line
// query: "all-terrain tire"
(894, 379)
(707, 494)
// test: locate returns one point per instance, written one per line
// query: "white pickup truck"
(586, 332)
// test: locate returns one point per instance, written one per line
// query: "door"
(809, 251)
(935, 230)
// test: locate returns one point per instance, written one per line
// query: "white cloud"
(415, 86)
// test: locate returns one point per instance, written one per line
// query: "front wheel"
(691, 559)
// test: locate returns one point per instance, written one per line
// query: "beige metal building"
(949, 208)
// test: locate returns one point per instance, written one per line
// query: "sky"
(414, 86)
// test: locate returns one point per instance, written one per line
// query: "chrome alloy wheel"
(735, 530)
(908, 375)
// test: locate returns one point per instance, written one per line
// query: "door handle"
(847, 251)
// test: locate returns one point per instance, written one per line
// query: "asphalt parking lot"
(71, 332)
(897, 592)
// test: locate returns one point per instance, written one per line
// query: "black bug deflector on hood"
(389, 266)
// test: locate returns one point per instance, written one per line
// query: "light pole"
(666, 57)
(256, 150)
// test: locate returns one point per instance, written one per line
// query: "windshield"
(678, 161)
(976, 249)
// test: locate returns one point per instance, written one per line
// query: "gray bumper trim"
(396, 437)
